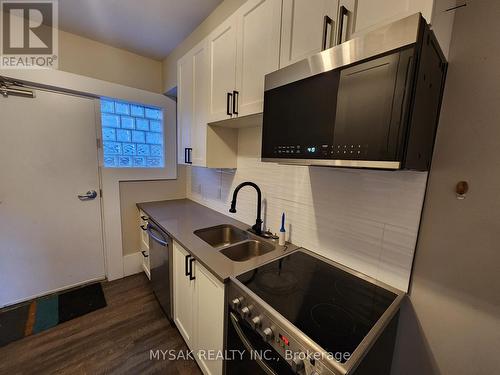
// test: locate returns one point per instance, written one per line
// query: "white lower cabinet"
(198, 309)
(183, 296)
(144, 243)
(209, 320)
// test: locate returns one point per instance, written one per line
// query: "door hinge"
(100, 193)
(98, 142)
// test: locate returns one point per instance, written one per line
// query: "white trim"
(110, 178)
(132, 264)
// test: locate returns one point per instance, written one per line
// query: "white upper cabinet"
(366, 15)
(371, 13)
(258, 48)
(308, 27)
(200, 104)
(184, 107)
(222, 80)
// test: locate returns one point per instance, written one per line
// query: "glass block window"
(132, 135)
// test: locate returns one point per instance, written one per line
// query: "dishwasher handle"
(150, 229)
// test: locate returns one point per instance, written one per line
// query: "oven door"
(251, 355)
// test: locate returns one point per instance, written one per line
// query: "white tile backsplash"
(366, 220)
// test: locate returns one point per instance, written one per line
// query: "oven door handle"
(248, 346)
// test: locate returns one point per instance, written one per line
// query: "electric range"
(304, 314)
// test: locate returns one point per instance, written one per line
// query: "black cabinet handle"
(191, 261)
(228, 103)
(187, 155)
(186, 265)
(144, 217)
(144, 254)
(343, 14)
(144, 227)
(327, 43)
(235, 102)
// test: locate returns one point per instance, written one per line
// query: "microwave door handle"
(327, 21)
(248, 346)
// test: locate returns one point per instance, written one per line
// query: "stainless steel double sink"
(234, 243)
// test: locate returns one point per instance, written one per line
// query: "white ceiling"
(150, 28)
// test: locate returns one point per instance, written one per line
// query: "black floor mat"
(46, 312)
(80, 301)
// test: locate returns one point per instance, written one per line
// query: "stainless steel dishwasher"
(160, 253)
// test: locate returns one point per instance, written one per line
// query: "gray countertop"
(180, 218)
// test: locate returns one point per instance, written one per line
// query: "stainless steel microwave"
(371, 102)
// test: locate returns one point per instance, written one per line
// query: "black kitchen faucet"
(257, 227)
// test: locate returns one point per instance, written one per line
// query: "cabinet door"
(144, 243)
(304, 26)
(209, 294)
(183, 296)
(200, 104)
(184, 106)
(222, 80)
(259, 25)
(371, 14)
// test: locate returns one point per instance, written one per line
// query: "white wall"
(97, 60)
(367, 220)
(220, 14)
(451, 324)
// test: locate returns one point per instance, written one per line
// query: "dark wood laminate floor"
(114, 340)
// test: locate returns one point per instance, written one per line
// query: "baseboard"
(132, 264)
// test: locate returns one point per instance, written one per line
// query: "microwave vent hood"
(371, 102)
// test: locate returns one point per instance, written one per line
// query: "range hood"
(371, 102)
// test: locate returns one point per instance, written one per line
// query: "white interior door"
(49, 238)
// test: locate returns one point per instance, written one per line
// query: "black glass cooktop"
(334, 308)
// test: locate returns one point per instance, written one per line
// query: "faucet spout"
(257, 227)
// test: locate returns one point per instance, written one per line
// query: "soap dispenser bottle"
(281, 237)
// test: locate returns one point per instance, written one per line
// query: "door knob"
(89, 195)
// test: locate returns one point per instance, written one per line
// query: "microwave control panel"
(323, 151)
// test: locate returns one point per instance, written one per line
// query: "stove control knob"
(235, 303)
(246, 311)
(267, 334)
(256, 322)
(297, 364)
